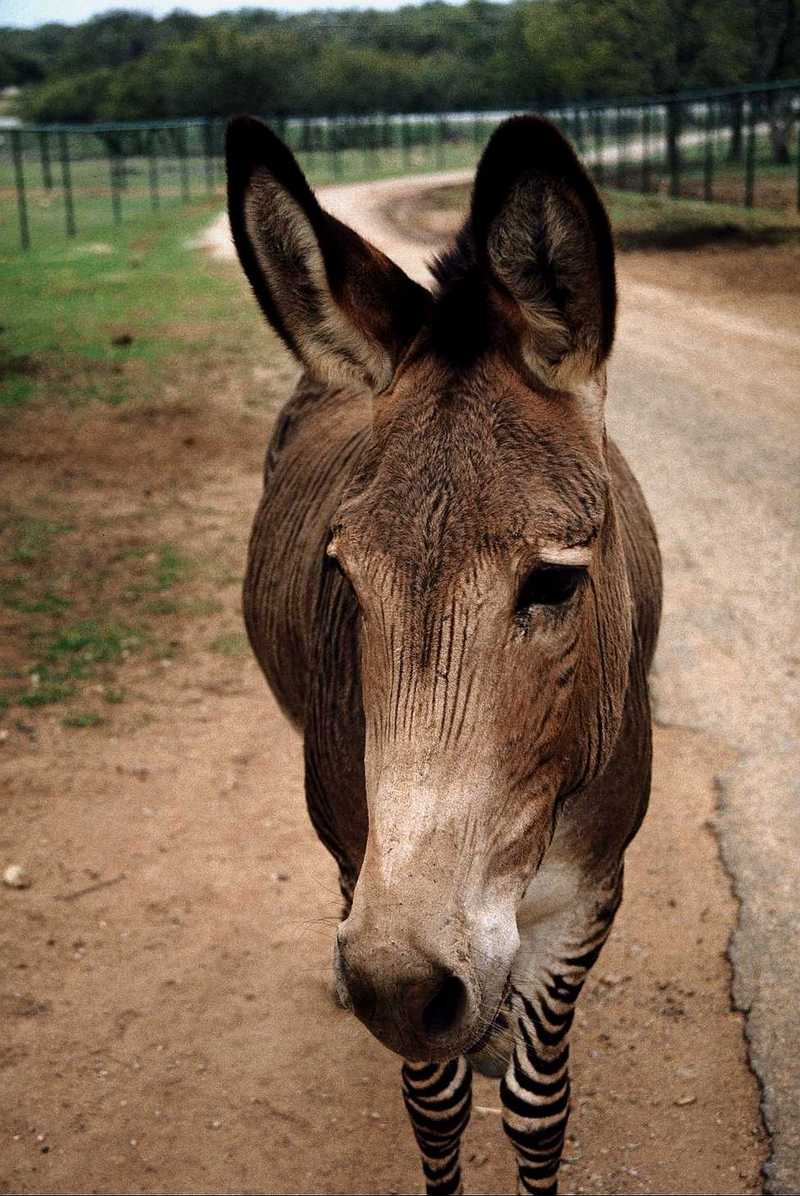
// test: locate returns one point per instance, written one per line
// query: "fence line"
(738, 146)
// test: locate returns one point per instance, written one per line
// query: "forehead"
(473, 462)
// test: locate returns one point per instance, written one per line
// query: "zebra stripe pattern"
(438, 1099)
(535, 1090)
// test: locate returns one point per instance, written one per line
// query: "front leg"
(536, 1088)
(438, 1098)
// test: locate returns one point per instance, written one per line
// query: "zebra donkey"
(453, 590)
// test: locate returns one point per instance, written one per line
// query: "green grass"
(32, 538)
(171, 567)
(159, 326)
(658, 222)
(70, 655)
(231, 643)
(85, 719)
(102, 327)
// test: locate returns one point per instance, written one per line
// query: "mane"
(460, 324)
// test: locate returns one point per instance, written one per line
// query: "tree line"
(125, 65)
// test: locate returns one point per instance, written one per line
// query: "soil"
(165, 985)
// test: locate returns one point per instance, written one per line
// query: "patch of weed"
(47, 604)
(202, 606)
(161, 606)
(45, 692)
(33, 538)
(86, 718)
(166, 649)
(113, 696)
(71, 655)
(230, 643)
(89, 643)
(171, 568)
(16, 392)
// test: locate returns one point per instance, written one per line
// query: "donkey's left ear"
(344, 309)
(541, 232)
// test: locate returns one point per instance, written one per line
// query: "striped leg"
(438, 1098)
(535, 1090)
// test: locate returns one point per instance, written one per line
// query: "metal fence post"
(44, 155)
(363, 129)
(599, 149)
(708, 154)
(645, 150)
(674, 147)
(441, 133)
(66, 184)
(152, 170)
(19, 177)
(116, 199)
(797, 143)
(336, 161)
(579, 129)
(208, 149)
(183, 163)
(750, 155)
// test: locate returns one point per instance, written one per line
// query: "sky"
(70, 12)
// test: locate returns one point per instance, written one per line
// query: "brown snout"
(418, 1005)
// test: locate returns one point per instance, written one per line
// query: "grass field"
(96, 318)
(125, 363)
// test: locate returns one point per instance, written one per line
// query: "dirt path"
(173, 1031)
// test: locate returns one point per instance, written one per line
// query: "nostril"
(446, 1008)
(353, 989)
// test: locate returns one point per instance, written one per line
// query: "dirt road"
(165, 1001)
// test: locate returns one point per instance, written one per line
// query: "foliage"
(435, 56)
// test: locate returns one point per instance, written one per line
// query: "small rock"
(682, 1101)
(15, 877)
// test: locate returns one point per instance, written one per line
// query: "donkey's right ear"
(343, 308)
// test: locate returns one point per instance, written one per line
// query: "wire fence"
(737, 146)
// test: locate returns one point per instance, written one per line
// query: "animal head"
(479, 538)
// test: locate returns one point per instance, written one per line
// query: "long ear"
(341, 306)
(539, 228)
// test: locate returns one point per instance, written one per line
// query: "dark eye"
(549, 585)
